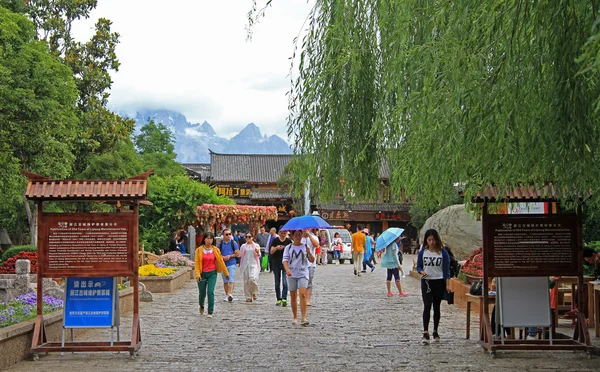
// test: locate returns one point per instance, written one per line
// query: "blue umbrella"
(305, 222)
(388, 237)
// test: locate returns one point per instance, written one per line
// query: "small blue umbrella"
(388, 237)
(305, 222)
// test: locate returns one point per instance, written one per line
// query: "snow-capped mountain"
(193, 141)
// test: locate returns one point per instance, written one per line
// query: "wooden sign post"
(531, 245)
(87, 245)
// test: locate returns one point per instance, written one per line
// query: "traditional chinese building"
(252, 180)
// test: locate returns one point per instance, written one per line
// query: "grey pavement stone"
(354, 327)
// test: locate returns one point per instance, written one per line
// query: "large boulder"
(458, 229)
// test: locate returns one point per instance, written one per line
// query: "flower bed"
(23, 308)
(168, 283)
(174, 259)
(153, 270)
(8, 266)
(473, 266)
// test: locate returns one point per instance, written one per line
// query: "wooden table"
(572, 280)
(478, 300)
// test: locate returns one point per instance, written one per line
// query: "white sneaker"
(226, 299)
(230, 297)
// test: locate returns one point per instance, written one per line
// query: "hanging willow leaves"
(448, 92)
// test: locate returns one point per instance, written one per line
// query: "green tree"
(474, 92)
(99, 130)
(155, 138)
(174, 202)
(37, 113)
(119, 164)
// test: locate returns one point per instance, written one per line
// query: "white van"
(346, 253)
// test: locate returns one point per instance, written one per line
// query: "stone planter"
(15, 340)
(460, 290)
(169, 283)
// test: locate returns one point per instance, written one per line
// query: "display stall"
(215, 217)
(90, 250)
(521, 251)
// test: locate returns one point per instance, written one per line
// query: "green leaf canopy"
(448, 92)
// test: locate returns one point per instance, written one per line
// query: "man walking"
(358, 248)
(262, 238)
(230, 251)
(276, 248)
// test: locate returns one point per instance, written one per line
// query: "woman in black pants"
(433, 263)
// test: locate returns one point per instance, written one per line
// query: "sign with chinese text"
(76, 244)
(336, 215)
(233, 191)
(531, 245)
(392, 216)
(90, 302)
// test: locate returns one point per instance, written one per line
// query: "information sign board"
(77, 244)
(90, 303)
(531, 245)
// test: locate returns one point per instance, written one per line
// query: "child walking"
(391, 262)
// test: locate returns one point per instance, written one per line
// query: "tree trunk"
(32, 220)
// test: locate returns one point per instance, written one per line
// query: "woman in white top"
(250, 266)
(433, 263)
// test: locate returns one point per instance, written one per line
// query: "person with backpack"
(433, 263)
(276, 247)
(230, 251)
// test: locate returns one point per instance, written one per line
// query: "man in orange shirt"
(358, 248)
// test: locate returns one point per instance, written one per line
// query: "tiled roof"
(374, 207)
(264, 168)
(201, 170)
(270, 194)
(40, 187)
(521, 193)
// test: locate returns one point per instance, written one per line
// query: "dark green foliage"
(174, 200)
(13, 251)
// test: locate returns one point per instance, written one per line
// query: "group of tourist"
(294, 253)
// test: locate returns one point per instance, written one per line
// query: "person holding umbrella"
(391, 262)
(296, 259)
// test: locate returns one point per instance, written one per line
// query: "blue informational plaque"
(90, 302)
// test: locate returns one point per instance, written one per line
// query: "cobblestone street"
(354, 327)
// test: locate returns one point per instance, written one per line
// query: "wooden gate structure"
(531, 245)
(78, 245)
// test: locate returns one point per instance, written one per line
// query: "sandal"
(304, 323)
(248, 300)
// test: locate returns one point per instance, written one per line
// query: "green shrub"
(13, 251)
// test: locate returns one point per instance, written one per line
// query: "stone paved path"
(354, 327)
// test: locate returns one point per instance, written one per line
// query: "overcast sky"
(192, 56)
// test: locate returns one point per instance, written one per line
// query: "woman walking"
(323, 245)
(337, 246)
(250, 266)
(296, 258)
(433, 263)
(208, 263)
(391, 262)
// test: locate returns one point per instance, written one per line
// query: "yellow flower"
(151, 270)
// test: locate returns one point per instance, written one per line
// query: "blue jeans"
(280, 277)
(336, 255)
